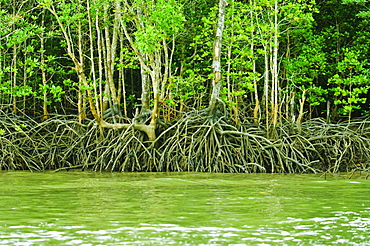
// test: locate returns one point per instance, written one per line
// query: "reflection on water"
(182, 209)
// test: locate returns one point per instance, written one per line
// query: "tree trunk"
(216, 81)
(111, 46)
(81, 93)
(78, 65)
(43, 72)
(275, 72)
(92, 50)
(256, 110)
(266, 86)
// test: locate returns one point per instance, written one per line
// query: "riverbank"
(189, 144)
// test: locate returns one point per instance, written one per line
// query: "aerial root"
(195, 142)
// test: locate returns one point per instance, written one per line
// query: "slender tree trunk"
(216, 81)
(78, 65)
(100, 63)
(275, 72)
(145, 83)
(256, 110)
(25, 77)
(145, 89)
(92, 57)
(111, 47)
(166, 70)
(154, 72)
(14, 79)
(43, 74)
(81, 93)
(301, 108)
(156, 78)
(266, 86)
(122, 86)
(166, 89)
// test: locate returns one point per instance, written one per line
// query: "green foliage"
(351, 84)
(148, 40)
(7, 88)
(129, 60)
(186, 88)
(364, 12)
(317, 95)
(161, 20)
(55, 91)
(306, 65)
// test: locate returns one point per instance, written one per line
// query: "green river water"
(83, 208)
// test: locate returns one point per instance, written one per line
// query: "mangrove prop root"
(195, 142)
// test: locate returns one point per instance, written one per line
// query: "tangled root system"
(195, 142)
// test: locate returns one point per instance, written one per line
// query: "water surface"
(83, 208)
